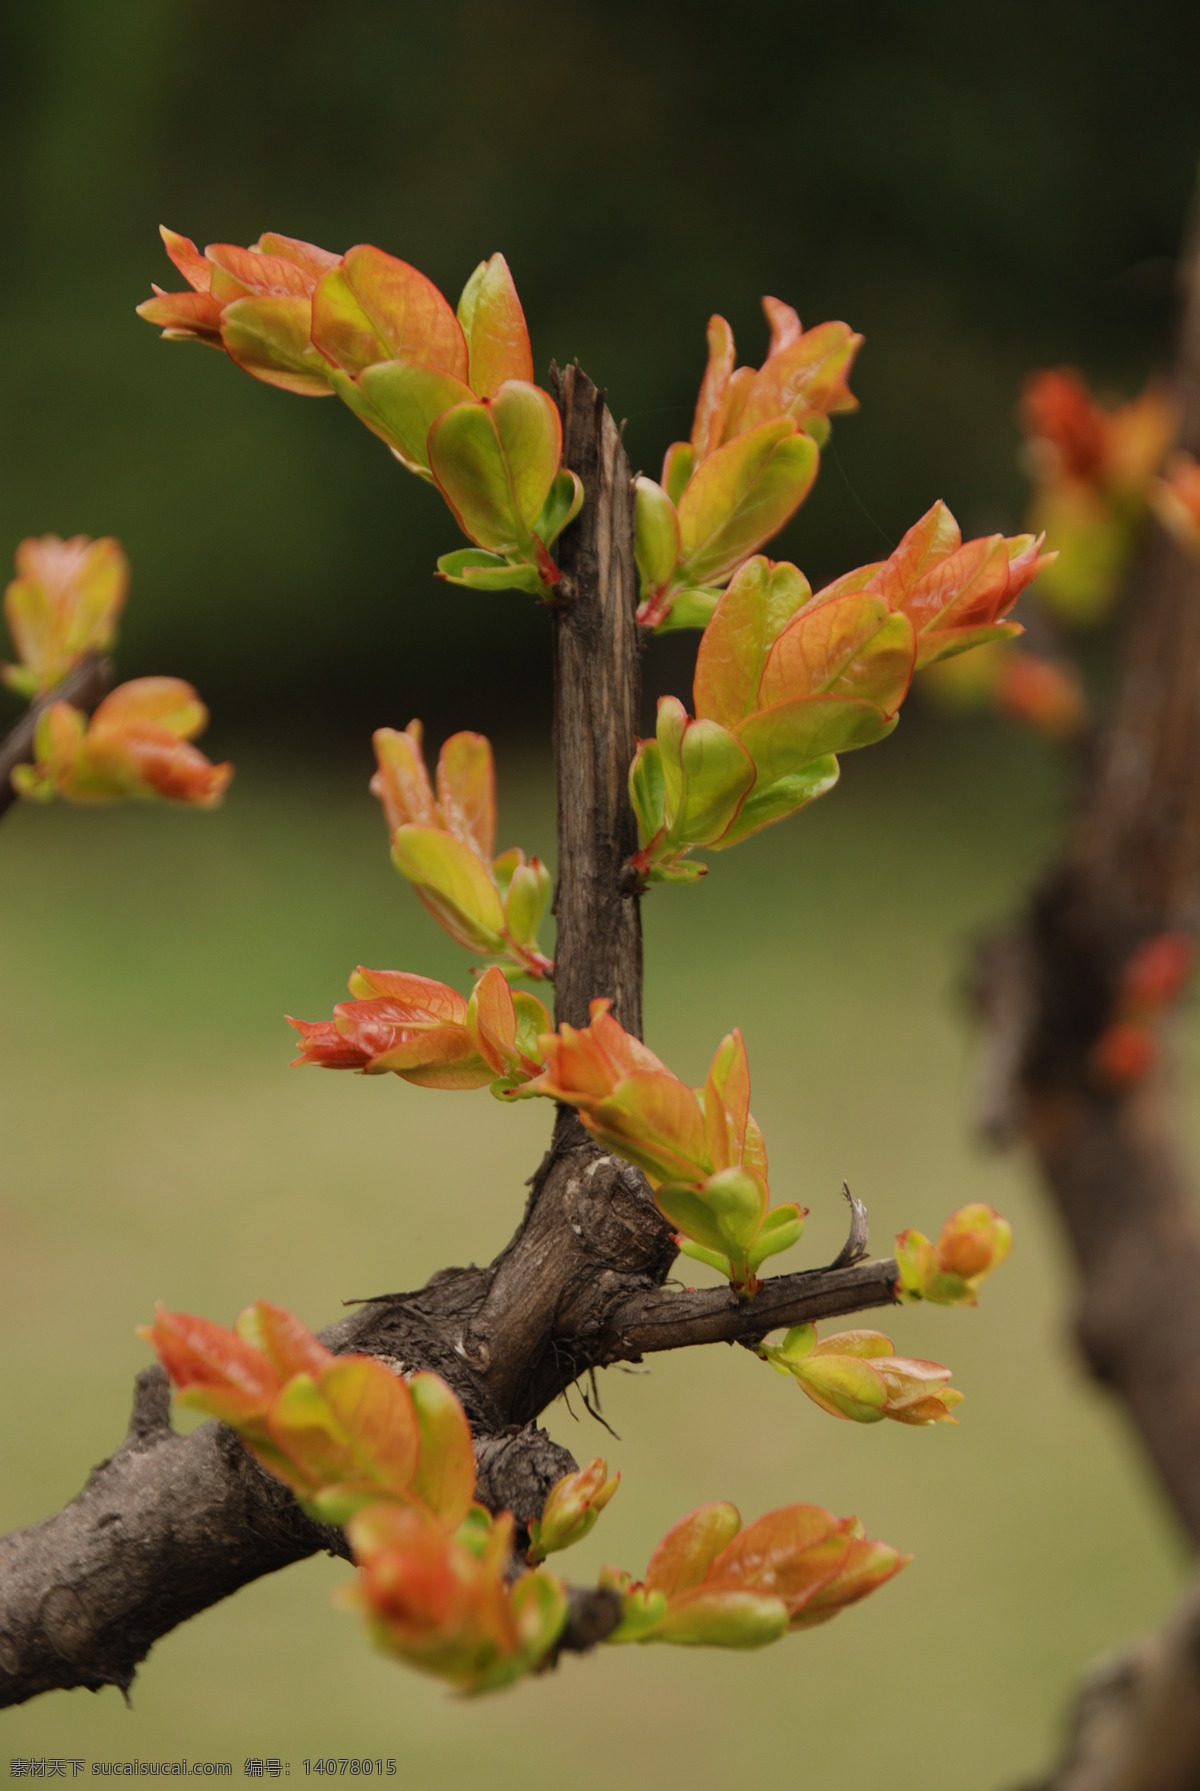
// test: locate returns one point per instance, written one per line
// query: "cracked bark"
(170, 1524)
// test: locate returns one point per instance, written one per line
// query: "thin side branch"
(665, 1319)
(84, 686)
(170, 1525)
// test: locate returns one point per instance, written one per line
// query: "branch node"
(479, 1359)
(592, 1616)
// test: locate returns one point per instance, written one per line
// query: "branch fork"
(169, 1525)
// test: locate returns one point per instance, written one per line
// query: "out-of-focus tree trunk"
(1136, 1722)
(1110, 1159)
(1047, 991)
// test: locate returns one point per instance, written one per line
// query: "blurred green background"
(156, 1145)
(979, 190)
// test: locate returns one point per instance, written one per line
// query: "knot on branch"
(515, 1470)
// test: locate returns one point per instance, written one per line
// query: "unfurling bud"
(974, 1241)
(444, 846)
(572, 1507)
(343, 1432)
(443, 1603)
(857, 1375)
(711, 1583)
(427, 1033)
(65, 602)
(137, 744)
(700, 1148)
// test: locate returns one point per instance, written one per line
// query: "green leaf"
(706, 774)
(782, 1227)
(722, 1619)
(305, 1426)
(529, 429)
(469, 464)
(752, 614)
(561, 507)
(789, 736)
(453, 883)
(798, 1342)
(719, 773)
(689, 609)
(844, 1386)
(655, 537)
(17, 678)
(647, 790)
(495, 464)
(678, 466)
(528, 893)
(768, 803)
(677, 870)
(725, 1217)
(445, 1475)
(503, 868)
(269, 337)
(402, 402)
(640, 1616)
(714, 1259)
(481, 571)
(32, 784)
(741, 496)
(532, 1022)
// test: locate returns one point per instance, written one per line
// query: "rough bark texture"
(171, 1524)
(167, 1526)
(84, 687)
(596, 684)
(1131, 870)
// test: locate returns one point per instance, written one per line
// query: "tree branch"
(166, 1527)
(597, 681)
(84, 686)
(172, 1524)
(507, 1338)
(663, 1319)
